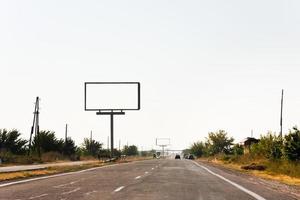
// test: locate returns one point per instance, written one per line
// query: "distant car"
(177, 156)
(191, 157)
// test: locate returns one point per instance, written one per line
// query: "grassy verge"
(62, 169)
(283, 171)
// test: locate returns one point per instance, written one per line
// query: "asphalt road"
(152, 179)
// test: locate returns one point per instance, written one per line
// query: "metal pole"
(111, 135)
(38, 128)
(107, 143)
(66, 134)
(281, 113)
(91, 142)
(32, 129)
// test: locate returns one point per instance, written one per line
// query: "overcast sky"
(203, 66)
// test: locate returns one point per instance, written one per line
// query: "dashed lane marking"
(138, 177)
(36, 197)
(72, 191)
(62, 185)
(63, 174)
(119, 189)
(89, 193)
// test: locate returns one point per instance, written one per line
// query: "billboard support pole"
(111, 113)
(111, 135)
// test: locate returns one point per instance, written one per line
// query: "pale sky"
(203, 66)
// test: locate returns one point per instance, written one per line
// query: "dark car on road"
(177, 156)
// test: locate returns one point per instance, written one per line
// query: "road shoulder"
(252, 181)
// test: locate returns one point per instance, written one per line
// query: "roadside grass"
(47, 171)
(62, 169)
(281, 170)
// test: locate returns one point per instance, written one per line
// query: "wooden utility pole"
(281, 113)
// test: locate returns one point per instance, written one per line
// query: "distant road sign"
(111, 96)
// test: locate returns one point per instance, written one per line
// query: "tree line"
(269, 146)
(12, 146)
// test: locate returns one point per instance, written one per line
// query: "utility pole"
(32, 129)
(281, 113)
(119, 145)
(37, 126)
(91, 142)
(66, 134)
(107, 143)
(66, 137)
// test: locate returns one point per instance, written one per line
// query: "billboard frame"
(112, 109)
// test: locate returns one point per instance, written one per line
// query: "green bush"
(292, 145)
(197, 149)
(269, 146)
(238, 149)
(130, 150)
(219, 142)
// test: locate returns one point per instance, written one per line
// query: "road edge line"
(256, 196)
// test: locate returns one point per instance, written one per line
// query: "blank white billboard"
(112, 96)
(163, 141)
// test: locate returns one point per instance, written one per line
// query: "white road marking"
(138, 177)
(72, 191)
(146, 172)
(62, 185)
(63, 174)
(119, 189)
(36, 197)
(88, 193)
(152, 169)
(256, 196)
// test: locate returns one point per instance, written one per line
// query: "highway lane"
(152, 179)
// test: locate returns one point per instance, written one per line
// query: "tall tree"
(69, 147)
(11, 141)
(130, 150)
(219, 142)
(91, 147)
(48, 142)
(198, 149)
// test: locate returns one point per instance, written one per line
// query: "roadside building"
(247, 143)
